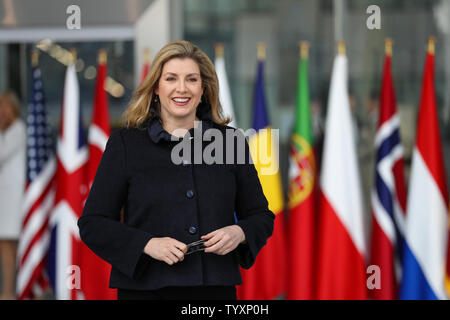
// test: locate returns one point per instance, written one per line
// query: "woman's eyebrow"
(175, 74)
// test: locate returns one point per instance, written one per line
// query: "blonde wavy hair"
(138, 112)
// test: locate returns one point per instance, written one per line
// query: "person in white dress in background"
(12, 184)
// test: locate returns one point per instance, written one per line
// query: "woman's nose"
(181, 87)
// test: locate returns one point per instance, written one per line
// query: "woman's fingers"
(179, 255)
(217, 246)
(224, 240)
(212, 238)
(180, 245)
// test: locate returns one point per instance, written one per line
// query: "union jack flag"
(38, 199)
(72, 155)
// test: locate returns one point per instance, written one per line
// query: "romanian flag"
(266, 279)
(425, 250)
(341, 271)
(302, 182)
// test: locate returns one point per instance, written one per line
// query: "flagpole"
(146, 55)
(261, 51)
(73, 57)
(219, 50)
(431, 45)
(102, 56)
(304, 49)
(388, 47)
(341, 48)
(34, 58)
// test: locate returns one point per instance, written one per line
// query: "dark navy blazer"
(162, 199)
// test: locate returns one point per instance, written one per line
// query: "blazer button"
(192, 230)
(190, 194)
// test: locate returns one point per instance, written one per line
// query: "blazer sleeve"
(100, 227)
(252, 212)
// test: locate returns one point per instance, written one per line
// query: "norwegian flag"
(38, 198)
(72, 154)
(389, 194)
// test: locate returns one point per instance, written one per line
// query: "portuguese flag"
(302, 180)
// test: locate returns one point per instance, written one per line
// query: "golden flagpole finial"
(219, 50)
(304, 49)
(388, 46)
(431, 45)
(73, 57)
(102, 56)
(341, 47)
(34, 58)
(146, 55)
(261, 51)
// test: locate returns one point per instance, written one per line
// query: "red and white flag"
(342, 246)
(71, 188)
(389, 192)
(39, 196)
(96, 272)
(146, 66)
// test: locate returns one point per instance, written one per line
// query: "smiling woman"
(143, 104)
(169, 207)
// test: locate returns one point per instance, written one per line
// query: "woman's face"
(180, 89)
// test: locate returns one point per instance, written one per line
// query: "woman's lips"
(181, 101)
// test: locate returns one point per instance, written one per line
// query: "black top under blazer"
(161, 199)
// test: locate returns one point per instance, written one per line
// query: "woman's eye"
(192, 80)
(170, 78)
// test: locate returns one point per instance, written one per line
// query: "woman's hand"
(224, 240)
(166, 249)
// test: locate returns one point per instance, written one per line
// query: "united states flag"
(39, 197)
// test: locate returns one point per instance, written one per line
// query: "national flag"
(447, 273)
(224, 88)
(39, 195)
(302, 186)
(427, 209)
(389, 193)
(266, 279)
(72, 154)
(96, 272)
(341, 270)
(146, 65)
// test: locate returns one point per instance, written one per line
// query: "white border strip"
(33, 35)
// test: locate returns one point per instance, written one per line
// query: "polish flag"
(341, 270)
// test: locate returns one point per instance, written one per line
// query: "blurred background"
(126, 27)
